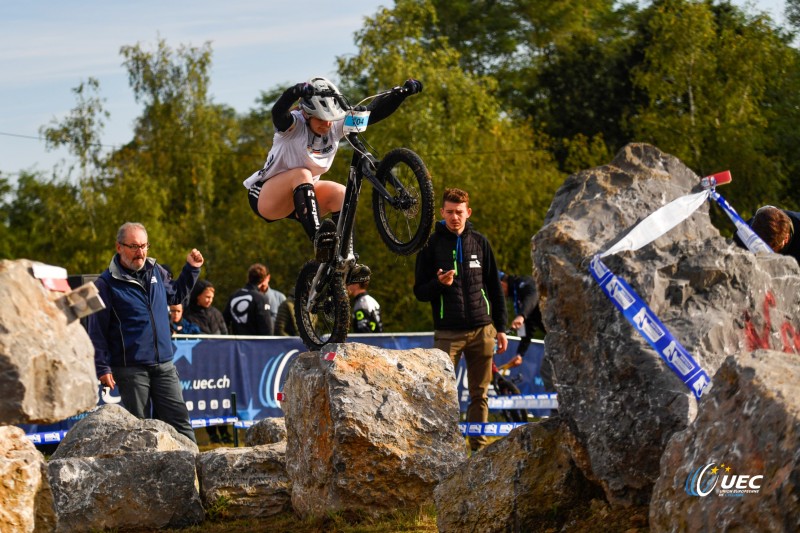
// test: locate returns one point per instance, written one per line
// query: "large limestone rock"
(371, 430)
(26, 502)
(252, 481)
(112, 430)
(523, 482)
(619, 399)
(46, 365)
(748, 425)
(141, 490)
(113, 470)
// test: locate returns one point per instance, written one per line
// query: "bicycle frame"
(362, 165)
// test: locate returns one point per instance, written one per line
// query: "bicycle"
(402, 204)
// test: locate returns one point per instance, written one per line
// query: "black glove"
(413, 86)
(304, 90)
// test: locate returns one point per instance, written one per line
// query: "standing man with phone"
(456, 272)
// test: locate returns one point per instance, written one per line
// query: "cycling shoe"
(325, 241)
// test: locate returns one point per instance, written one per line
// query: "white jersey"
(299, 147)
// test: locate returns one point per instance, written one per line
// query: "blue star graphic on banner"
(248, 414)
(184, 347)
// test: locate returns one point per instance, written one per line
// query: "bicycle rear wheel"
(328, 320)
(404, 227)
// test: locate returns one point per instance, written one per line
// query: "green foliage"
(457, 126)
(218, 510)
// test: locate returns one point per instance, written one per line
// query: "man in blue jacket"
(131, 336)
(456, 272)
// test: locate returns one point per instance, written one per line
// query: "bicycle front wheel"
(328, 320)
(405, 226)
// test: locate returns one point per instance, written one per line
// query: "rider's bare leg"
(295, 190)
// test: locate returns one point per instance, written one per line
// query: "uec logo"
(703, 480)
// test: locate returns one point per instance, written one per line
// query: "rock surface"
(251, 481)
(617, 396)
(370, 431)
(748, 425)
(522, 482)
(46, 365)
(26, 502)
(266, 431)
(147, 489)
(112, 430)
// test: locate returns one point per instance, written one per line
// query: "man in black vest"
(456, 272)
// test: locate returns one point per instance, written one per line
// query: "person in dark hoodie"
(210, 321)
(202, 313)
(456, 272)
(131, 336)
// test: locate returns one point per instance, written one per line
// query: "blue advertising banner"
(212, 368)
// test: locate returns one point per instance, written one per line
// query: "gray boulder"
(523, 482)
(749, 425)
(619, 399)
(148, 489)
(266, 431)
(370, 431)
(111, 430)
(46, 364)
(26, 501)
(251, 481)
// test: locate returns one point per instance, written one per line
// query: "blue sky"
(49, 47)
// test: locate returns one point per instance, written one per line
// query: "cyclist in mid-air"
(305, 143)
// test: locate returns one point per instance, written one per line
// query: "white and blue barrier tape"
(524, 401)
(631, 305)
(491, 429)
(643, 320)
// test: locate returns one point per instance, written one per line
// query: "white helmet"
(323, 107)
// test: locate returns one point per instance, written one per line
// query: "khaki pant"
(477, 345)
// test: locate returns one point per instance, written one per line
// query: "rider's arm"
(385, 105)
(281, 116)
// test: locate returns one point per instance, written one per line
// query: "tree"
(458, 127)
(709, 73)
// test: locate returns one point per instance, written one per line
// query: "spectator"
(202, 313)
(178, 324)
(286, 324)
(211, 322)
(456, 272)
(366, 310)
(131, 338)
(527, 316)
(274, 297)
(776, 228)
(247, 311)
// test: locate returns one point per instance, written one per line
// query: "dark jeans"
(139, 386)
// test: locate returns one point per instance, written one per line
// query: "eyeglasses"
(143, 247)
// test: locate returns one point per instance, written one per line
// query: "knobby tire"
(404, 230)
(330, 321)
